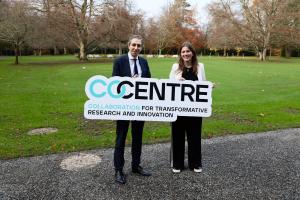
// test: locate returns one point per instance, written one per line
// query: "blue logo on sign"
(109, 89)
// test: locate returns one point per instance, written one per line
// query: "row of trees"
(257, 24)
(90, 25)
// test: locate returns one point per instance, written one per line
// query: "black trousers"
(191, 126)
(136, 146)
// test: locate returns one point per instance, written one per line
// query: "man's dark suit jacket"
(122, 67)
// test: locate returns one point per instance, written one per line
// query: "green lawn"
(48, 91)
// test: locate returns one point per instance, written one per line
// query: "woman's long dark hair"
(194, 58)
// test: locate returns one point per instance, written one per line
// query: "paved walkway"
(252, 166)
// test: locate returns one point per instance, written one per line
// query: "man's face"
(135, 47)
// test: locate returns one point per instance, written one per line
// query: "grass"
(48, 91)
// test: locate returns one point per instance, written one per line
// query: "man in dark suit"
(130, 65)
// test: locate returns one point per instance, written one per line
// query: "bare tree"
(81, 15)
(151, 35)
(167, 31)
(254, 21)
(116, 22)
(71, 20)
(222, 33)
(14, 20)
(287, 30)
(52, 29)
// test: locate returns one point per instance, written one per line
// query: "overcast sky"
(154, 7)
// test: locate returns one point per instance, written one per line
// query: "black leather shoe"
(139, 170)
(120, 177)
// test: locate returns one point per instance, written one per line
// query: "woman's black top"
(187, 74)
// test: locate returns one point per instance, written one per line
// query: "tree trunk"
(55, 50)
(40, 52)
(287, 52)
(120, 49)
(224, 53)
(263, 54)
(82, 53)
(65, 51)
(17, 50)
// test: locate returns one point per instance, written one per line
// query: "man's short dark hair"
(135, 37)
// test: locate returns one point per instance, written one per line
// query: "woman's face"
(186, 54)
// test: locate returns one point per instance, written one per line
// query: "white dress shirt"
(131, 63)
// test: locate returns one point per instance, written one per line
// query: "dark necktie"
(135, 69)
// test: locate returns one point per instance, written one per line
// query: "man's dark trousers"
(136, 148)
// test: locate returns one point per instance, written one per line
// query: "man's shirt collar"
(131, 57)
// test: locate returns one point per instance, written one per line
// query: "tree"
(80, 15)
(151, 35)
(168, 33)
(288, 27)
(70, 19)
(254, 21)
(14, 20)
(178, 24)
(222, 33)
(116, 22)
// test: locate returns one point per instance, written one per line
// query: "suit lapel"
(142, 66)
(127, 66)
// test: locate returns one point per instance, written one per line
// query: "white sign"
(146, 99)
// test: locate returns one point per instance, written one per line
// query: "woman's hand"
(213, 84)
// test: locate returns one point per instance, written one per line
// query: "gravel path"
(251, 166)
